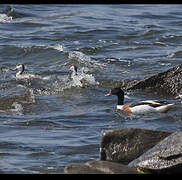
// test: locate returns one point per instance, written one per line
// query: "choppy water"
(48, 123)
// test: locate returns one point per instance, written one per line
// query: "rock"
(111, 167)
(165, 83)
(80, 169)
(125, 145)
(165, 157)
(19, 96)
(99, 167)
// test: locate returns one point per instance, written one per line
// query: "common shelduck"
(77, 78)
(74, 70)
(21, 75)
(141, 107)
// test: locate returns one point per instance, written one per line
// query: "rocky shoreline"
(134, 151)
(167, 83)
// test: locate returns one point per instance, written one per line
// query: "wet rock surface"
(80, 169)
(165, 83)
(165, 157)
(125, 145)
(112, 167)
(134, 151)
(99, 167)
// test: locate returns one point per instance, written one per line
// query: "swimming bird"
(141, 107)
(74, 70)
(77, 78)
(21, 75)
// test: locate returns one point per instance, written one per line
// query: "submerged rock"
(112, 167)
(99, 167)
(80, 169)
(125, 145)
(19, 96)
(165, 83)
(165, 157)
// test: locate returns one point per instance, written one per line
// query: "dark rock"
(80, 169)
(165, 83)
(20, 96)
(165, 157)
(125, 145)
(99, 167)
(111, 167)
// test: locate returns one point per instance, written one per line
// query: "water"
(48, 123)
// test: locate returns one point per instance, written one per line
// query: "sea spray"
(5, 19)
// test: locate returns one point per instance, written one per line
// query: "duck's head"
(73, 68)
(19, 66)
(119, 93)
(116, 91)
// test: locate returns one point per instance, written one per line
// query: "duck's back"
(145, 107)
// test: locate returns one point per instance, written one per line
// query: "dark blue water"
(48, 123)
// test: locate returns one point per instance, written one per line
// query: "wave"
(177, 54)
(172, 38)
(9, 13)
(5, 19)
(14, 13)
(89, 79)
(23, 50)
(47, 86)
(86, 60)
(63, 83)
(58, 47)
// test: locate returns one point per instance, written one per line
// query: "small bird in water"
(74, 71)
(77, 78)
(21, 75)
(141, 107)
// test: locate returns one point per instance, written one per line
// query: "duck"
(21, 75)
(74, 70)
(141, 107)
(79, 80)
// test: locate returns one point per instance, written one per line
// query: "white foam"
(5, 19)
(81, 75)
(79, 55)
(32, 96)
(18, 109)
(29, 47)
(76, 81)
(46, 78)
(83, 58)
(57, 47)
(64, 82)
(171, 55)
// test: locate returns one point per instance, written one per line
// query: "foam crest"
(57, 47)
(81, 76)
(89, 78)
(5, 19)
(18, 108)
(62, 83)
(32, 96)
(83, 58)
